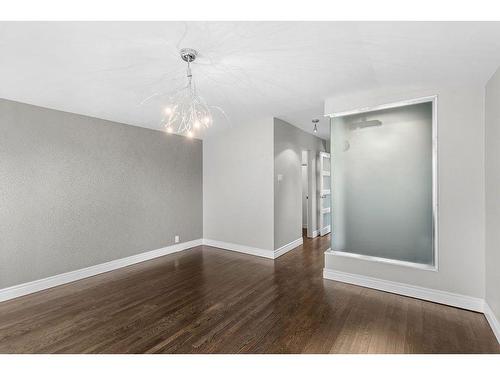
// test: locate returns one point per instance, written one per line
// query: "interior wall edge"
(492, 202)
(492, 320)
(286, 248)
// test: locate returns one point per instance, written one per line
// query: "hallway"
(207, 300)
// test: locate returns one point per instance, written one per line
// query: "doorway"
(316, 193)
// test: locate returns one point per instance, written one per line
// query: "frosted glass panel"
(326, 182)
(382, 184)
(326, 164)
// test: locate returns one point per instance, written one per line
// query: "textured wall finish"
(76, 191)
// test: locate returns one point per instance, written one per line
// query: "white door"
(324, 194)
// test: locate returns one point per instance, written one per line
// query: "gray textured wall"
(76, 191)
(289, 142)
(493, 193)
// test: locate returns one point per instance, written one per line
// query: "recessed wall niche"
(384, 184)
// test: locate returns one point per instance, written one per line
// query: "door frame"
(324, 194)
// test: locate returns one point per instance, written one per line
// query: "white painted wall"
(492, 170)
(461, 190)
(238, 185)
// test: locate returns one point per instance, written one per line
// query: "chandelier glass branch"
(187, 112)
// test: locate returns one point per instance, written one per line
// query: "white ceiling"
(282, 69)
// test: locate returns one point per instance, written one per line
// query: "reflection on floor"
(207, 300)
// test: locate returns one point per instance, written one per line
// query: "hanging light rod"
(315, 122)
(188, 54)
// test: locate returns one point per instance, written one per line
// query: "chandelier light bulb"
(186, 110)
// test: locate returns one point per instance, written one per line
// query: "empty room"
(249, 187)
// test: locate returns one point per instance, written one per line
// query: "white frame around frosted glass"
(435, 205)
(324, 229)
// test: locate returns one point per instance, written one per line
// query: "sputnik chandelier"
(187, 112)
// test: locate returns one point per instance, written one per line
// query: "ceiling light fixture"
(187, 112)
(315, 122)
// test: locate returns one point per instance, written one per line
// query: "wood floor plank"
(208, 300)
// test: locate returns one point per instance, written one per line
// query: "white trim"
(64, 278)
(401, 103)
(395, 262)
(325, 230)
(286, 248)
(492, 320)
(315, 234)
(435, 181)
(439, 296)
(447, 298)
(240, 248)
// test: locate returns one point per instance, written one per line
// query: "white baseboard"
(447, 298)
(315, 234)
(240, 248)
(492, 320)
(325, 230)
(286, 248)
(439, 296)
(64, 278)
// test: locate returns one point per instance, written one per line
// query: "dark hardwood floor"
(207, 300)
